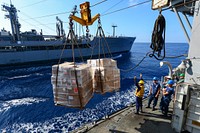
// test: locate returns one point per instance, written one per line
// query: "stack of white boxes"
(65, 90)
(105, 75)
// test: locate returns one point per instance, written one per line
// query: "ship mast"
(114, 26)
(15, 25)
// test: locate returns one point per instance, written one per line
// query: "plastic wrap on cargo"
(105, 74)
(65, 89)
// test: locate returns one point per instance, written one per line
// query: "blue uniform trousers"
(154, 99)
(138, 104)
(164, 105)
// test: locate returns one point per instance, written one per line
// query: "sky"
(136, 21)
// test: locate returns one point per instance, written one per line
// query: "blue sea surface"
(26, 95)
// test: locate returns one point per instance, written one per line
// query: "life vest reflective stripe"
(140, 93)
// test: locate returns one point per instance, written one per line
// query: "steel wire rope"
(86, 40)
(108, 48)
(37, 21)
(134, 5)
(57, 70)
(38, 27)
(100, 29)
(101, 82)
(95, 43)
(132, 68)
(66, 12)
(178, 56)
(102, 47)
(112, 6)
(73, 57)
(74, 38)
(33, 4)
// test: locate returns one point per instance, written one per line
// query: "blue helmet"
(155, 78)
(170, 82)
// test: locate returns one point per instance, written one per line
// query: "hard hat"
(168, 77)
(182, 75)
(155, 78)
(170, 82)
(141, 82)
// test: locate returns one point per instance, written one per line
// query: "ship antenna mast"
(114, 26)
(15, 25)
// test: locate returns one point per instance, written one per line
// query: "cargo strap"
(72, 36)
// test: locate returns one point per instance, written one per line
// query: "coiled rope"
(158, 38)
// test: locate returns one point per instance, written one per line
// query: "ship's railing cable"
(158, 38)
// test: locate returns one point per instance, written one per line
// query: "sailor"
(181, 78)
(154, 93)
(139, 93)
(166, 98)
(166, 79)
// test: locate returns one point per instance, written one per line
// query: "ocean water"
(26, 96)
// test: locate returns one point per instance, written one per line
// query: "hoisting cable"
(178, 56)
(132, 68)
(57, 70)
(72, 36)
(75, 42)
(104, 37)
(99, 56)
(158, 38)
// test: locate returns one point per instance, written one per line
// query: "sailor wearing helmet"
(167, 93)
(139, 93)
(154, 93)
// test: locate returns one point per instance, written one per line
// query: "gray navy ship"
(30, 46)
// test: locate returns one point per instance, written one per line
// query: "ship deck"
(126, 121)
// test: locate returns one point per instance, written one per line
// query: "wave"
(116, 57)
(6, 105)
(72, 121)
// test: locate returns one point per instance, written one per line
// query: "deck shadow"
(155, 126)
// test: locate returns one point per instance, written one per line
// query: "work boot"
(137, 113)
(148, 106)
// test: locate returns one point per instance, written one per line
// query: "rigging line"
(108, 48)
(38, 22)
(79, 50)
(175, 56)
(33, 4)
(98, 3)
(44, 16)
(112, 6)
(141, 3)
(62, 12)
(127, 70)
